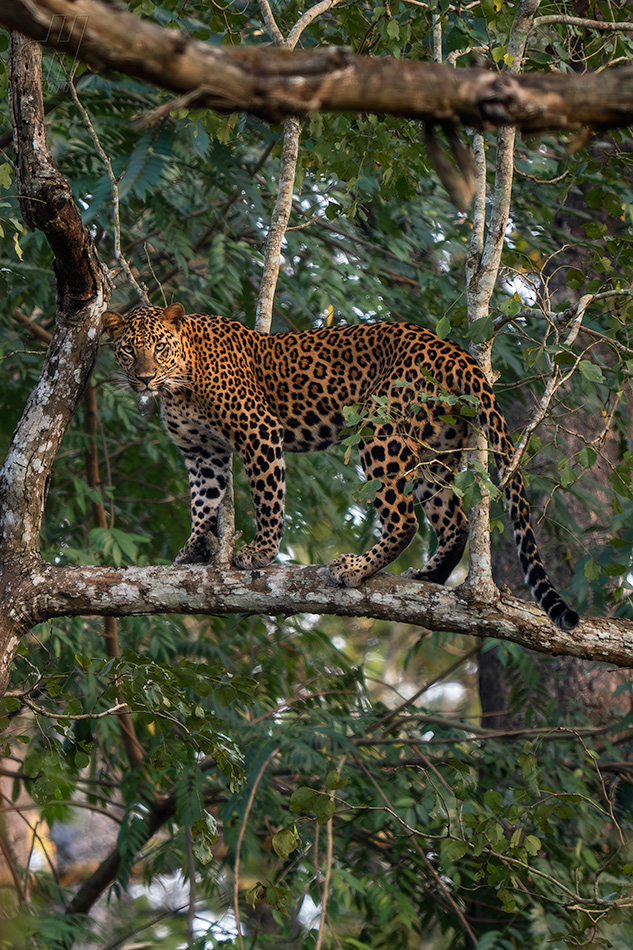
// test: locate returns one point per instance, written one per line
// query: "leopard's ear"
(173, 315)
(113, 323)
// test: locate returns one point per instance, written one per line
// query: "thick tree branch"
(47, 204)
(45, 196)
(53, 591)
(83, 290)
(275, 83)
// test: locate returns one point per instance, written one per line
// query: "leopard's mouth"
(145, 389)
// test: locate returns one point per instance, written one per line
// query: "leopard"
(226, 389)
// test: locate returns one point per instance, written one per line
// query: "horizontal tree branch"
(275, 83)
(53, 591)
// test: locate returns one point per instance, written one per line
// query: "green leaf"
(587, 457)
(615, 570)
(575, 278)
(443, 327)
(333, 781)
(481, 330)
(255, 894)
(324, 808)
(303, 799)
(507, 899)
(591, 372)
(393, 29)
(567, 474)
(532, 844)
(493, 800)
(453, 850)
(367, 490)
(204, 834)
(307, 799)
(564, 358)
(285, 842)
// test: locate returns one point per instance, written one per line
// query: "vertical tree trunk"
(83, 290)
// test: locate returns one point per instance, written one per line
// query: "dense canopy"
(266, 762)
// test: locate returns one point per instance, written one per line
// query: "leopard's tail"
(494, 425)
(535, 574)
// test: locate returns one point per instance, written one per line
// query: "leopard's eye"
(159, 348)
(126, 349)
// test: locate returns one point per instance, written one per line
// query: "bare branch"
(610, 26)
(278, 224)
(42, 711)
(271, 24)
(275, 83)
(555, 382)
(47, 204)
(53, 591)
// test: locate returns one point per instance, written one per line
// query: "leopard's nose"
(146, 380)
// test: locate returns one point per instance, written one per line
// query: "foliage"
(292, 750)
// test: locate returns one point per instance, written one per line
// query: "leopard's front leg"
(208, 469)
(265, 467)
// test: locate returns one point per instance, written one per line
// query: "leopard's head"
(148, 346)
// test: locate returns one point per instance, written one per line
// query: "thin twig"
(41, 711)
(326, 883)
(10, 861)
(440, 883)
(388, 718)
(236, 869)
(141, 289)
(555, 382)
(306, 19)
(564, 20)
(191, 870)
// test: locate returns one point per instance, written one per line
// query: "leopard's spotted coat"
(224, 388)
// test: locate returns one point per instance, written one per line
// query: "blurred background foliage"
(360, 784)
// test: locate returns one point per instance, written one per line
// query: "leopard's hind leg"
(387, 461)
(444, 512)
(440, 459)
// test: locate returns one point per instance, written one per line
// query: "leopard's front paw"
(199, 549)
(254, 555)
(348, 570)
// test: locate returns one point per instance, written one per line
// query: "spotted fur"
(224, 388)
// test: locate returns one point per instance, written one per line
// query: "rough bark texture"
(83, 292)
(276, 83)
(52, 591)
(46, 200)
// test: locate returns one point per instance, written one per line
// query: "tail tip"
(565, 618)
